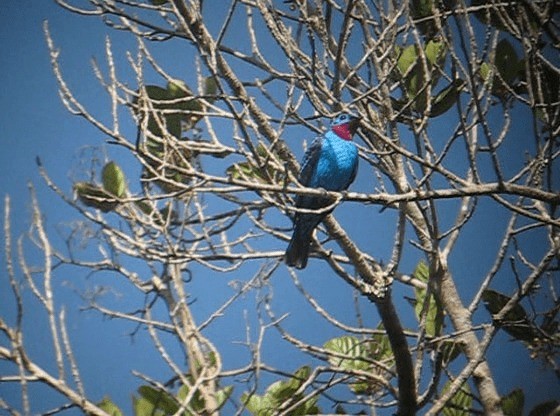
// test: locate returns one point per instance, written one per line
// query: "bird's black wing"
(309, 163)
(307, 173)
(353, 175)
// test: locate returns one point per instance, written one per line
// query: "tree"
(444, 90)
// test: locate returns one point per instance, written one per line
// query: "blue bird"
(331, 163)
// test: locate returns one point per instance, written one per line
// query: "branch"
(403, 359)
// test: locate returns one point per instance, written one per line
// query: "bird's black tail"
(298, 249)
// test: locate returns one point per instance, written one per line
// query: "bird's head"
(345, 125)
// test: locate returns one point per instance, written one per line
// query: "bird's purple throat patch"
(343, 131)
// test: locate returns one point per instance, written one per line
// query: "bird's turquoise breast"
(336, 164)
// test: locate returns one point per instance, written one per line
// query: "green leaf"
(299, 377)
(413, 72)
(435, 52)
(506, 61)
(488, 74)
(485, 71)
(446, 98)
(507, 65)
(450, 350)
(177, 89)
(244, 171)
(550, 80)
(259, 405)
(164, 164)
(309, 407)
(283, 390)
(163, 216)
(545, 408)
(249, 170)
(432, 312)
(172, 122)
(168, 214)
(423, 9)
(222, 395)
(340, 410)
(262, 151)
(422, 272)
(356, 353)
(210, 87)
(380, 348)
(143, 407)
(159, 399)
(508, 12)
(353, 350)
(547, 82)
(420, 10)
(512, 404)
(460, 403)
(144, 207)
(94, 196)
(197, 402)
(515, 322)
(399, 104)
(114, 181)
(488, 15)
(172, 106)
(407, 58)
(280, 392)
(495, 301)
(108, 406)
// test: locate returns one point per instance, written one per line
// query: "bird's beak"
(354, 124)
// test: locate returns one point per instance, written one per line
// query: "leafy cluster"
(202, 224)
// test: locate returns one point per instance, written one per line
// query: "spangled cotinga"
(331, 163)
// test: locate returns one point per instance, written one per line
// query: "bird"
(331, 163)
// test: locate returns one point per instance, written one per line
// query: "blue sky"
(34, 123)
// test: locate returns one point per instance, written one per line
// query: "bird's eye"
(343, 117)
